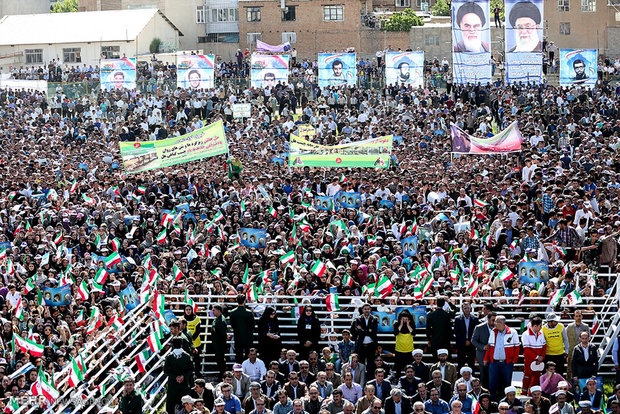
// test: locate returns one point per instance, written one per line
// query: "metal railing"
(334, 322)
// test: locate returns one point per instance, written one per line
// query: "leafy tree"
(500, 4)
(402, 21)
(441, 8)
(65, 6)
(155, 45)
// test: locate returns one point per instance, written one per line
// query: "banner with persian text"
(373, 153)
(471, 41)
(509, 140)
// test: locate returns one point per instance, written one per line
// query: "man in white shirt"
(253, 366)
(333, 187)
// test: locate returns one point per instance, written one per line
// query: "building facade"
(9, 7)
(208, 25)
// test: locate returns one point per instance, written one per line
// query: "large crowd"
(68, 209)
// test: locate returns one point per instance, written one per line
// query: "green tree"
(65, 6)
(402, 21)
(500, 4)
(155, 45)
(441, 8)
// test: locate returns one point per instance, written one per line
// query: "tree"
(402, 21)
(441, 8)
(500, 4)
(155, 44)
(65, 6)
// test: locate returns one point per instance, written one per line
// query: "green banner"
(149, 155)
(373, 153)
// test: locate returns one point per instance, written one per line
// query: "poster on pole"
(117, 74)
(524, 35)
(195, 71)
(471, 41)
(508, 140)
(406, 68)
(269, 70)
(374, 153)
(242, 110)
(578, 67)
(337, 69)
(149, 155)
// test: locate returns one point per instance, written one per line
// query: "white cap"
(509, 389)
(535, 388)
(465, 369)
(442, 351)
(417, 352)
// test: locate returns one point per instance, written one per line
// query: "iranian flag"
(332, 303)
(11, 406)
(161, 237)
(3, 254)
(19, 309)
(95, 320)
(505, 275)
(559, 249)
(475, 405)
(384, 287)
(50, 393)
(480, 203)
(75, 374)
(73, 186)
(101, 276)
(273, 212)
(29, 286)
(189, 301)
(595, 325)
(252, 294)
(58, 239)
(165, 218)
(473, 286)
(112, 259)
(556, 297)
(154, 342)
(27, 345)
(573, 298)
(428, 284)
(177, 273)
(115, 244)
(83, 290)
(141, 190)
(89, 200)
(287, 258)
(347, 280)
(141, 359)
(303, 226)
(218, 216)
(343, 179)
(318, 268)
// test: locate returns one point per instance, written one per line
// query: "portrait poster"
(117, 74)
(195, 71)
(524, 36)
(471, 42)
(267, 71)
(337, 69)
(404, 68)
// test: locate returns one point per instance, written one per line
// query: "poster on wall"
(406, 68)
(471, 41)
(118, 74)
(578, 67)
(195, 71)
(337, 69)
(269, 70)
(524, 35)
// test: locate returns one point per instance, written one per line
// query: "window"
(588, 5)
(288, 14)
(563, 5)
(431, 40)
(224, 15)
(290, 37)
(219, 38)
(201, 15)
(333, 13)
(72, 55)
(34, 55)
(402, 3)
(111, 52)
(565, 28)
(253, 14)
(252, 38)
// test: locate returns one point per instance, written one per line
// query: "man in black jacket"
(131, 401)
(396, 397)
(464, 326)
(364, 332)
(439, 328)
(585, 358)
(242, 323)
(179, 368)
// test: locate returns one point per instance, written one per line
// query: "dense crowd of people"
(71, 215)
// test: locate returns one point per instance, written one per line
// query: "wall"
(157, 27)
(314, 35)
(24, 7)
(373, 40)
(435, 39)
